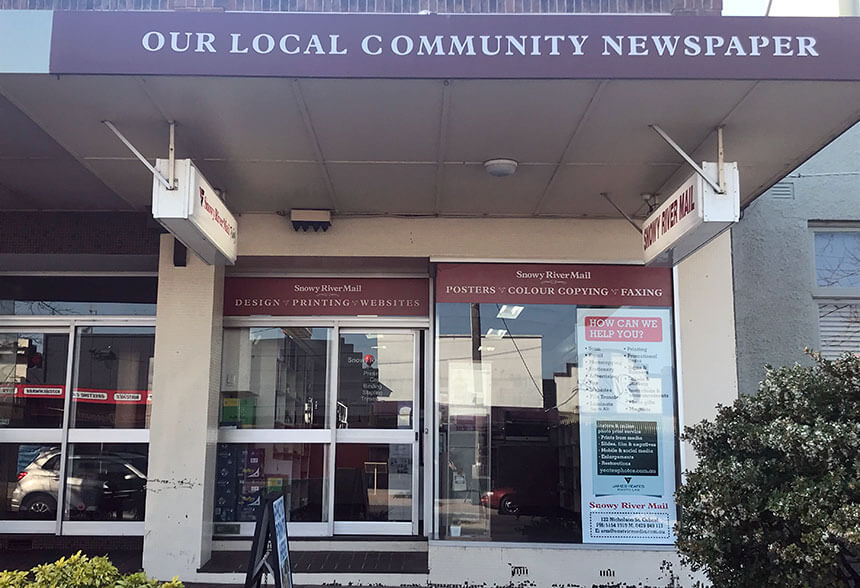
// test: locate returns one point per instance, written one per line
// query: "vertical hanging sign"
(626, 412)
(195, 214)
(693, 215)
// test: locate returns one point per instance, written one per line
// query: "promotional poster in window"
(627, 446)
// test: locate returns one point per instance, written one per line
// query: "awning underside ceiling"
(411, 147)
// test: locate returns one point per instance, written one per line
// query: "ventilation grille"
(783, 190)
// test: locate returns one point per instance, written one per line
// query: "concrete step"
(389, 544)
(401, 561)
(330, 562)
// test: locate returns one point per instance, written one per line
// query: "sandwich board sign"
(270, 549)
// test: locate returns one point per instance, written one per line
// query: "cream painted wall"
(708, 370)
(567, 240)
(556, 566)
(183, 433)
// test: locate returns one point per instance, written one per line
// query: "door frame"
(409, 436)
(326, 436)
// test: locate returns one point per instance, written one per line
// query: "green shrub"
(14, 579)
(80, 571)
(775, 498)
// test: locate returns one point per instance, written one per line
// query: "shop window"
(108, 387)
(245, 473)
(113, 377)
(30, 479)
(106, 482)
(274, 378)
(377, 381)
(32, 379)
(373, 482)
(556, 421)
(78, 295)
(837, 290)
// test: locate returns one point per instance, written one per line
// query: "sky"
(781, 7)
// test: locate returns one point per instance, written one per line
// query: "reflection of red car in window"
(494, 498)
(507, 500)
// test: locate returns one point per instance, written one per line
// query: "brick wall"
(703, 7)
(97, 233)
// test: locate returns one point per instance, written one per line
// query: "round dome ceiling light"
(500, 168)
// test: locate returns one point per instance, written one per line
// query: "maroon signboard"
(326, 297)
(592, 285)
(554, 46)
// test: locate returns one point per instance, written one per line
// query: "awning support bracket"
(624, 214)
(718, 187)
(169, 184)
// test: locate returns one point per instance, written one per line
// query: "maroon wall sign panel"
(593, 285)
(454, 46)
(326, 296)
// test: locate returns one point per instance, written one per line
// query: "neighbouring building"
(796, 255)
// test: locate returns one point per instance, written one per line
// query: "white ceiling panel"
(21, 138)
(764, 135)
(37, 173)
(267, 186)
(375, 120)
(126, 177)
(469, 189)
(384, 188)
(617, 128)
(230, 118)
(577, 188)
(526, 120)
(381, 140)
(795, 121)
(53, 184)
(71, 109)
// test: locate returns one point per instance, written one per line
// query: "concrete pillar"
(184, 426)
(708, 371)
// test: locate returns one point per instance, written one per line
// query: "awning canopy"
(400, 138)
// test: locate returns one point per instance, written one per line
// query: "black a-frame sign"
(270, 550)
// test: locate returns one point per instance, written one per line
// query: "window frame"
(677, 418)
(822, 295)
(66, 435)
(832, 293)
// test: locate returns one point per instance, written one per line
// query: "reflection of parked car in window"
(97, 486)
(513, 501)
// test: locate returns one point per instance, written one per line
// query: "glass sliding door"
(33, 381)
(75, 402)
(376, 438)
(275, 434)
(326, 415)
(107, 449)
